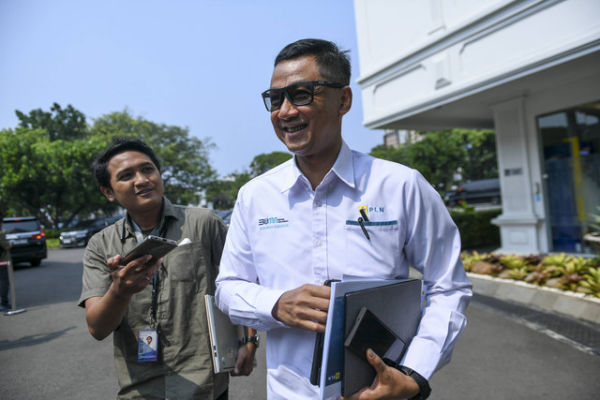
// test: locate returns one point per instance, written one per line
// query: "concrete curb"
(576, 305)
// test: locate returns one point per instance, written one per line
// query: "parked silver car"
(79, 234)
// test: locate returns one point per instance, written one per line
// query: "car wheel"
(36, 262)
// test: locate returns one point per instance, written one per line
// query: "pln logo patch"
(372, 209)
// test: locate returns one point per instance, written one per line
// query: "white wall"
(418, 55)
(390, 30)
(482, 62)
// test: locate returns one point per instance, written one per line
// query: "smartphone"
(154, 245)
(369, 331)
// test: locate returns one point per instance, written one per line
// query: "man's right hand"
(304, 307)
(389, 383)
(104, 314)
(132, 278)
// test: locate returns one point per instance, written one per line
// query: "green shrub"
(475, 227)
(52, 233)
(559, 271)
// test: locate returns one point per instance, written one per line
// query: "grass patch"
(52, 243)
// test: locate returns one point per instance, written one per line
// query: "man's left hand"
(245, 360)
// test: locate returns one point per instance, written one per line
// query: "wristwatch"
(424, 388)
(251, 339)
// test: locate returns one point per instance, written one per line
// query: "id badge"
(147, 345)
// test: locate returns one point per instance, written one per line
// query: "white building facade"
(528, 69)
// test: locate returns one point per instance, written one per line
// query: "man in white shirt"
(296, 226)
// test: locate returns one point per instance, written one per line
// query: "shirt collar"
(292, 175)
(343, 168)
(168, 212)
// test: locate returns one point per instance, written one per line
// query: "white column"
(518, 222)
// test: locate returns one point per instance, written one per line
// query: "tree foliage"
(45, 162)
(185, 165)
(222, 193)
(441, 154)
(481, 161)
(59, 123)
(264, 162)
(47, 178)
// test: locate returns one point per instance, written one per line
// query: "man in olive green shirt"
(163, 299)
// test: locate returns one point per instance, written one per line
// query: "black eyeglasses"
(299, 94)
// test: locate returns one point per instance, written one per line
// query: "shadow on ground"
(32, 340)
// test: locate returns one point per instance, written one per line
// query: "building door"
(571, 149)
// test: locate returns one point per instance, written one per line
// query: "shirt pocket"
(375, 256)
(186, 263)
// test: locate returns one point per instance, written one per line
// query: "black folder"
(398, 306)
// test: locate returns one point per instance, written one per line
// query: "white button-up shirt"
(284, 234)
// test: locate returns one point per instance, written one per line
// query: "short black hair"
(118, 146)
(334, 64)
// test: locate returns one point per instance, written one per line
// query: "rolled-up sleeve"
(96, 277)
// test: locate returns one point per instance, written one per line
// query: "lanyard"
(155, 284)
(162, 232)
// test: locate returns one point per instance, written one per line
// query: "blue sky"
(197, 64)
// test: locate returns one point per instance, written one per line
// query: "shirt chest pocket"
(186, 263)
(376, 252)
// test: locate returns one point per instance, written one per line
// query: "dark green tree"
(184, 159)
(264, 162)
(60, 123)
(48, 178)
(481, 160)
(441, 154)
(222, 193)
(399, 154)
(438, 157)
(45, 162)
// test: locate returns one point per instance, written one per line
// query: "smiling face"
(135, 182)
(313, 130)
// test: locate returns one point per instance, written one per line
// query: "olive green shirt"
(184, 369)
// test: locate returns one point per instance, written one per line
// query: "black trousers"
(4, 285)
(224, 396)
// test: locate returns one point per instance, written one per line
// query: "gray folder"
(397, 305)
